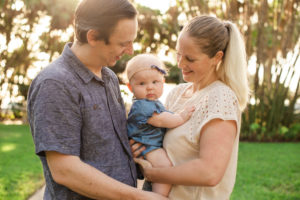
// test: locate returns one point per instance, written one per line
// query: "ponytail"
(212, 35)
(233, 69)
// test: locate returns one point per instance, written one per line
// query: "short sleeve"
(220, 103)
(142, 110)
(55, 118)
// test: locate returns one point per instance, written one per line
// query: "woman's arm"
(216, 142)
(171, 120)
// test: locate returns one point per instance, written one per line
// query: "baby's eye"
(142, 83)
(154, 82)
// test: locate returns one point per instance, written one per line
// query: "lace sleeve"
(220, 103)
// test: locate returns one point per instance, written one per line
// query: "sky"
(162, 5)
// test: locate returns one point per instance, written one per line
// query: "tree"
(271, 30)
(22, 40)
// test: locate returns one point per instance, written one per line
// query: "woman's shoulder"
(180, 87)
(177, 90)
(220, 89)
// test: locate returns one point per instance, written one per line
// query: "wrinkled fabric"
(74, 112)
(140, 130)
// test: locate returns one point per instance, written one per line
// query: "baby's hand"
(187, 113)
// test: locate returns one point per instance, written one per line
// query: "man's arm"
(171, 120)
(86, 180)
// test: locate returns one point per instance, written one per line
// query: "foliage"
(20, 169)
(267, 171)
(25, 38)
(271, 30)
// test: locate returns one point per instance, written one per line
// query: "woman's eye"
(189, 59)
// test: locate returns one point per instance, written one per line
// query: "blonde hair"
(213, 35)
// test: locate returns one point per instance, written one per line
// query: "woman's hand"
(136, 148)
(144, 166)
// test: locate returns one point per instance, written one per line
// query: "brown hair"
(209, 33)
(102, 16)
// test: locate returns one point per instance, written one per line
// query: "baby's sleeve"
(142, 110)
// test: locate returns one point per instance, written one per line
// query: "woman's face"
(196, 67)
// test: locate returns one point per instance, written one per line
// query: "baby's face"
(147, 84)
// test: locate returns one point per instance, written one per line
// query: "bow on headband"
(158, 69)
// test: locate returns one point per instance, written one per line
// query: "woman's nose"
(179, 61)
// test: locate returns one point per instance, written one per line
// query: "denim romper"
(138, 128)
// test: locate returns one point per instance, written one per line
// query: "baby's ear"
(129, 86)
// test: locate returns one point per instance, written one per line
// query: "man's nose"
(129, 49)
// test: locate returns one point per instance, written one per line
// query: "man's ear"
(91, 36)
(129, 86)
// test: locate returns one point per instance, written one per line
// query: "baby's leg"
(159, 158)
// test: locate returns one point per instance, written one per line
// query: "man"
(76, 112)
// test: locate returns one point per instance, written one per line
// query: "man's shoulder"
(57, 71)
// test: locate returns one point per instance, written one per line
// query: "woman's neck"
(204, 83)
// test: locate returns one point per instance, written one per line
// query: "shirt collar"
(83, 72)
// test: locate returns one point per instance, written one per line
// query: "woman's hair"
(213, 35)
(102, 16)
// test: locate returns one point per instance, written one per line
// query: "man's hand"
(136, 148)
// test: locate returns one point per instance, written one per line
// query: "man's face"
(120, 42)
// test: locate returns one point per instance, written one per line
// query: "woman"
(211, 56)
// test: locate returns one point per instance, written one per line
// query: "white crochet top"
(216, 100)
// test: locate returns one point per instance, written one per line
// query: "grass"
(20, 169)
(266, 171)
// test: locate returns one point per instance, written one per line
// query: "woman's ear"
(218, 57)
(129, 86)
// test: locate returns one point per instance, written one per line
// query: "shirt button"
(95, 106)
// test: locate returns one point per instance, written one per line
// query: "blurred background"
(34, 32)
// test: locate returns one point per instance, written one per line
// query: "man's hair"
(102, 16)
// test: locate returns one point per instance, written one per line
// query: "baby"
(148, 119)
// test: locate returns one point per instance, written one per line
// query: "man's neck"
(83, 53)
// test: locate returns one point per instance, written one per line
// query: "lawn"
(20, 169)
(266, 171)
